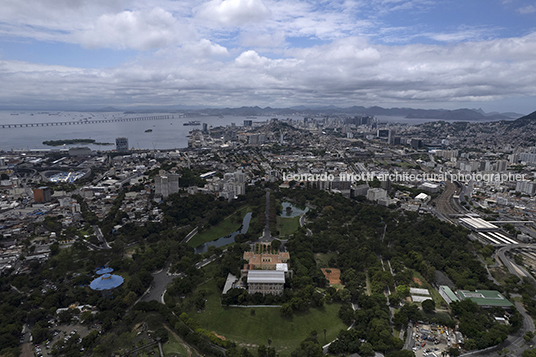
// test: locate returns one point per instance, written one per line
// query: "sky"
(279, 53)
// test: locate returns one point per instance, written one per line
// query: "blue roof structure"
(104, 270)
(106, 282)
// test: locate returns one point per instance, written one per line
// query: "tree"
(262, 351)
(529, 335)
(529, 353)
(428, 306)
(286, 310)
(394, 299)
(403, 290)
(453, 352)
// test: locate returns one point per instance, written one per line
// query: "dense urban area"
(337, 234)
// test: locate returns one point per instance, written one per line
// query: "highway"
(511, 266)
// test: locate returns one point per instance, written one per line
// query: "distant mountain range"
(444, 114)
(410, 113)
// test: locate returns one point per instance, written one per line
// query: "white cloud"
(342, 72)
(135, 29)
(238, 52)
(233, 12)
(529, 9)
(251, 59)
(262, 40)
(206, 48)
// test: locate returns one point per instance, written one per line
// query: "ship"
(149, 130)
(192, 122)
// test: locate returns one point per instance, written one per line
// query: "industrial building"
(477, 224)
(485, 298)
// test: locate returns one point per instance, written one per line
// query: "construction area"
(431, 340)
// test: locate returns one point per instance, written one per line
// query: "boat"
(192, 122)
(149, 130)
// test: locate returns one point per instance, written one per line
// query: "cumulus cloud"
(272, 52)
(135, 29)
(234, 12)
(341, 72)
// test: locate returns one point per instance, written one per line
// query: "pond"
(228, 239)
(293, 211)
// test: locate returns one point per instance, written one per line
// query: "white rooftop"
(417, 291)
(266, 276)
(281, 267)
(478, 223)
(421, 196)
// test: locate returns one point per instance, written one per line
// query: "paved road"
(410, 342)
(161, 280)
(100, 237)
(512, 267)
(267, 233)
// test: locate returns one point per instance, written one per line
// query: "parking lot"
(62, 333)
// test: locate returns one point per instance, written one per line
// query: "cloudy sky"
(279, 53)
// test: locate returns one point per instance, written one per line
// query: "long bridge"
(84, 122)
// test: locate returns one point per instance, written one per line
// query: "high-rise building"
(527, 187)
(248, 122)
(42, 194)
(166, 184)
(416, 143)
(502, 165)
(121, 144)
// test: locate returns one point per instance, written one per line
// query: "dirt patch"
(27, 350)
(333, 275)
(219, 336)
(417, 281)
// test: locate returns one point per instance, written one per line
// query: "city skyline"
(414, 53)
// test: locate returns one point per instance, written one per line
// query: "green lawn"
(287, 226)
(322, 259)
(172, 346)
(227, 226)
(238, 325)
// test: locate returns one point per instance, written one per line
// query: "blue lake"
(228, 239)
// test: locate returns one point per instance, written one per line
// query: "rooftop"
(266, 277)
(484, 297)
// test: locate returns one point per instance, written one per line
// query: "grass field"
(239, 325)
(172, 346)
(227, 226)
(287, 226)
(322, 259)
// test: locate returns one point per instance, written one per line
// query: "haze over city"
(414, 53)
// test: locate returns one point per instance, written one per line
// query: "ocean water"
(166, 134)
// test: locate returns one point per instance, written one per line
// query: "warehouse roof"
(266, 276)
(485, 297)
